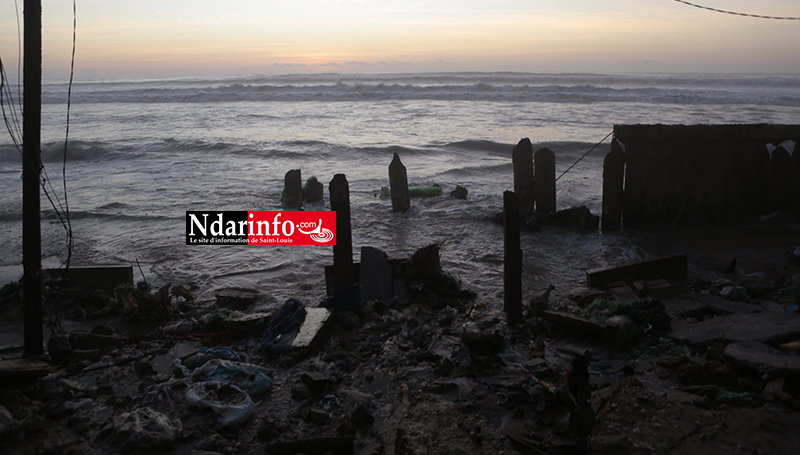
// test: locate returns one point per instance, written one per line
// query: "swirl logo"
(324, 236)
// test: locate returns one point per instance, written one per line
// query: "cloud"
(290, 65)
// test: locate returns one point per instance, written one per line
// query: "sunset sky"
(202, 37)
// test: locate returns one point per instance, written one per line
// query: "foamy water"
(143, 152)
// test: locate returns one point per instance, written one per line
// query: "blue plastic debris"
(223, 353)
(283, 327)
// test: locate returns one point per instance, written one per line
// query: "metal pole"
(31, 164)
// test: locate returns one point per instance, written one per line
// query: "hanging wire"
(70, 241)
(759, 16)
(584, 155)
(11, 119)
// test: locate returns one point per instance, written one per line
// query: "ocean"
(142, 152)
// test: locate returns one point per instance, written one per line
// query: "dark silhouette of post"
(796, 175)
(293, 189)
(522, 160)
(779, 180)
(398, 183)
(512, 260)
(31, 165)
(314, 190)
(343, 250)
(613, 187)
(545, 180)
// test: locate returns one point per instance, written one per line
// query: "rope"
(584, 155)
(759, 16)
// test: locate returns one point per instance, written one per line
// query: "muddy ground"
(440, 372)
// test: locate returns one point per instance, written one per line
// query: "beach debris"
(522, 160)
(237, 298)
(673, 267)
(342, 445)
(22, 371)
(315, 381)
(582, 418)
(544, 164)
(145, 428)
(313, 190)
(459, 192)
(398, 182)
(283, 327)
(314, 324)
(141, 304)
(292, 196)
(539, 300)
(582, 326)
(253, 379)
(232, 405)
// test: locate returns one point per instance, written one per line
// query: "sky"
(158, 38)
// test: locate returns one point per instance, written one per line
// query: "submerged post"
(398, 184)
(343, 250)
(31, 165)
(545, 180)
(314, 190)
(512, 260)
(293, 189)
(522, 160)
(613, 187)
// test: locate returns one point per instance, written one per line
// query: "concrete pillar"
(343, 250)
(293, 189)
(522, 159)
(545, 178)
(613, 187)
(512, 260)
(398, 182)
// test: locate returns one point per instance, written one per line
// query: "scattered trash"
(145, 428)
(223, 353)
(232, 405)
(283, 327)
(253, 379)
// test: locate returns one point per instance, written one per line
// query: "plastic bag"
(232, 405)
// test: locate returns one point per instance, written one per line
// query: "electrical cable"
(759, 16)
(584, 155)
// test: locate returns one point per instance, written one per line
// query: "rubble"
(633, 365)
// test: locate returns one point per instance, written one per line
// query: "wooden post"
(343, 250)
(512, 260)
(293, 189)
(398, 183)
(613, 187)
(314, 190)
(779, 179)
(796, 175)
(545, 179)
(522, 160)
(31, 165)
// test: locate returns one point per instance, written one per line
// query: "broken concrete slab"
(763, 358)
(763, 327)
(674, 267)
(316, 320)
